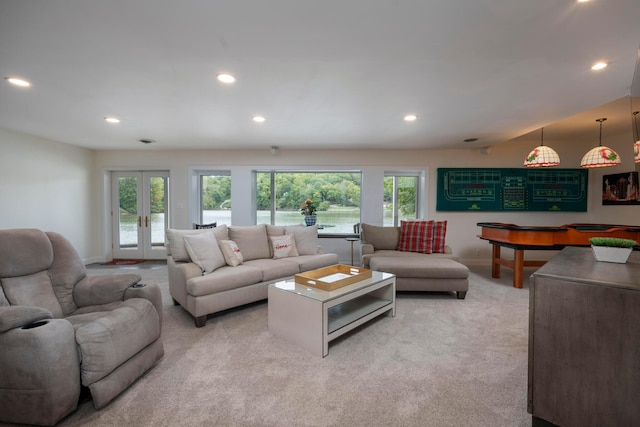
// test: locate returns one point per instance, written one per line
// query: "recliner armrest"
(96, 290)
(40, 381)
(150, 292)
(16, 316)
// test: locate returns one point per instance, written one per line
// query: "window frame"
(199, 174)
(273, 194)
(420, 185)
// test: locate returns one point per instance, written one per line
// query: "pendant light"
(542, 156)
(636, 146)
(600, 157)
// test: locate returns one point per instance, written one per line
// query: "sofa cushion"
(312, 262)
(439, 235)
(273, 269)
(366, 259)
(224, 279)
(232, 254)
(275, 230)
(427, 267)
(252, 241)
(175, 241)
(204, 251)
(306, 238)
(381, 237)
(67, 270)
(283, 246)
(24, 252)
(416, 236)
(34, 289)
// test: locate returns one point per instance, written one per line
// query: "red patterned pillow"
(416, 236)
(439, 234)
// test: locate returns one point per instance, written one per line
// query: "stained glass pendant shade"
(542, 156)
(600, 157)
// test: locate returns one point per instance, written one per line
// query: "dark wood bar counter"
(521, 238)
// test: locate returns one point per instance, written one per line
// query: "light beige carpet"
(440, 362)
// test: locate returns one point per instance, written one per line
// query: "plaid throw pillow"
(416, 236)
(439, 234)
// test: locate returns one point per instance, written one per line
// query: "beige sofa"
(414, 271)
(203, 286)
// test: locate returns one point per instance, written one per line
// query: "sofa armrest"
(16, 316)
(367, 249)
(96, 290)
(321, 250)
(179, 273)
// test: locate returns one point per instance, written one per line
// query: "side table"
(352, 239)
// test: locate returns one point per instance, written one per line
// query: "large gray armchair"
(60, 329)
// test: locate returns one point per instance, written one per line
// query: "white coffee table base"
(311, 318)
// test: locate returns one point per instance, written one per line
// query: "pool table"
(521, 238)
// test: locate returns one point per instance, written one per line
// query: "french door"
(140, 214)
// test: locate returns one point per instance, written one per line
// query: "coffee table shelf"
(348, 312)
(311, 317)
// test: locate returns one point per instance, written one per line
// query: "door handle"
(146, 221)
(139, 221)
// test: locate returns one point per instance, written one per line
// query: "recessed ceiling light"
(17, 82)
(410, 118)
(583, 1)
(259, 119)
(147, 141)
(112, 119)
(470, 140)
(599, 66)
(225, 78)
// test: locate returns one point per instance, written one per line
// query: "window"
(401, 199)
(215, 197)
(336, 195)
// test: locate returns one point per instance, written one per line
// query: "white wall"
(462, 228)
(63, 188)
(50, 186)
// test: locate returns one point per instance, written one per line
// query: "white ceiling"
(325, 74)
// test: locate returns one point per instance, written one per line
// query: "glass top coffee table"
(311, 317)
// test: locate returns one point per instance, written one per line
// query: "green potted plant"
(308, 209)
(612, 249)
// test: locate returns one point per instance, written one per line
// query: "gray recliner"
(60, 329)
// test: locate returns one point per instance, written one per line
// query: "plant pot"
(611, 254)
(310, 220)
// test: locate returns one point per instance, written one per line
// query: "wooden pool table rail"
(521, 238)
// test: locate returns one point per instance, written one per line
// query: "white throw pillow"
(204, 251)
(231, 252)
(175, 243)
(283, 246)
(175, 240)
(306, 239)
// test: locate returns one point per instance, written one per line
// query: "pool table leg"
(495, 265)
(518, 268)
